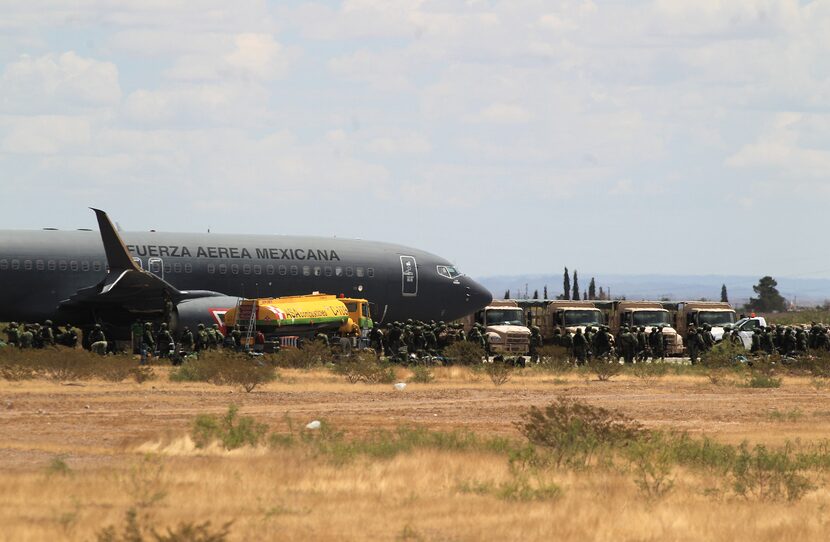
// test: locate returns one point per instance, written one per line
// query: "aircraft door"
(409, 276)
(156, 267)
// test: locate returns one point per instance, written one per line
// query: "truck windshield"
(716, 318)
(582, 317)
(498, 317)
(650, 318)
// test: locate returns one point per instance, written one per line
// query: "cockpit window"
(448, 271)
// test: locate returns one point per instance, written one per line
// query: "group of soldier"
(161, 342)
(789, 340)
(40, 335)
(399, 340)
(599, 343)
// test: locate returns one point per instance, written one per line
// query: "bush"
(649, 372)
(723, 354)
(365, 367)
(652, 459)
(232, 431)
(421, 375)
(225, 368)
(761, 380)
(136, 530)
(575, 432)
(768, 475)
(499, 371)
(605, 369)
(312, 354)
(464, 353)
(555, 359)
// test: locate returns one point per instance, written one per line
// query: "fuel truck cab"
(504, 325)
(567, 315)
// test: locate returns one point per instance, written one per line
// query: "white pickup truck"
(744, 328)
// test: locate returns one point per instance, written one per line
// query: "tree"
(535, 294)
(545, 292)
(566, 285)
(724, 297)
(768, 300)
(576, 287)
(592, 289)
(601, 293)
(584, 296)
(507, 294)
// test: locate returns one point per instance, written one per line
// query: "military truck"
(648, 314)
(551, 315)
(716, 314)
(504, 325)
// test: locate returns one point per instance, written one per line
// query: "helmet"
(97, 326)
(163, 326)
(201, 326)
(148, 325)
(47, 323)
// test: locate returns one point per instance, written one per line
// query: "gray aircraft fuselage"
(39, 269)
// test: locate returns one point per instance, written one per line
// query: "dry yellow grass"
(286, 494)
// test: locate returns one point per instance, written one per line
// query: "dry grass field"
(78, 456)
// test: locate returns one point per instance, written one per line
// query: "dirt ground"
(95, 423)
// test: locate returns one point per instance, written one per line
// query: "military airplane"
(117, 278)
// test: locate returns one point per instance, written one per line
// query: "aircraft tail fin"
(118, 257)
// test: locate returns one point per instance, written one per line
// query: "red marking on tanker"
(218, 314)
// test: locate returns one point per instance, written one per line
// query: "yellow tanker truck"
(302, 315)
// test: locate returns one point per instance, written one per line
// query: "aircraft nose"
(478, 296)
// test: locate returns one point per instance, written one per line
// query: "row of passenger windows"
(293, 270)
(222, 269)
(51, 265)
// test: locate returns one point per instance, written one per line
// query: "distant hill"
(806, 292)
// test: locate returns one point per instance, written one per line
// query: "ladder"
(246, 309)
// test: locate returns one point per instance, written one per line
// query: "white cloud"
(44, 134)
(58, 81)
(257, 57)
(503, 113)
(401, 144)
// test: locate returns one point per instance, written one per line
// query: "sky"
(624, 136)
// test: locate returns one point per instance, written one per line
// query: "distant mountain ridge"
(804, 291)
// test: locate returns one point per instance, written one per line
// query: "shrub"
(768, 475)
(762, 380)
(365, 367)
(312, 354)
(574, 432)
(206, 368)
(605, 369)
(136, 530)
(464, 353)
(652, 459)
(421, 375)
(649, 372)
(143, 373)
(499, 371)
(555, 359)
(723, 354)
(232, 431)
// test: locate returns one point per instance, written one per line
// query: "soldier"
(462, 335)
(98, 341)
(47, 334)
(220, 337)
(69, 337)
(567, 341)
(164, 340)
(801, 340)
(148, 342)
(790, 343)
(659, 348)
(602, 344)
(580, 346)
(201, 338)
(708, 337)
(211, 338)
(642, 344)
(186, 340)
(27, 338)
(394, 338)
(376, 340)
(757, 334)
(535, 343)
(431, 340)
(13, 334)
(589, 340)
(628, 343)
(236, 335)
(37, 338)
(692, 344)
